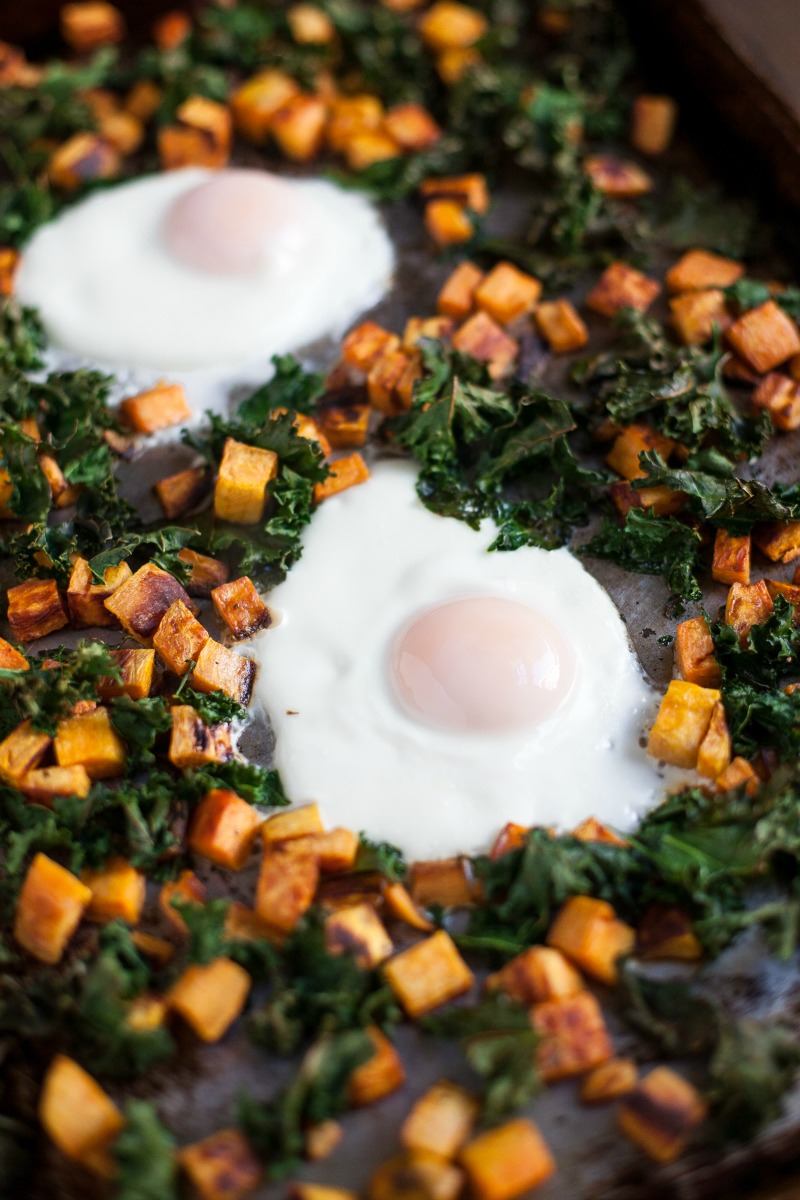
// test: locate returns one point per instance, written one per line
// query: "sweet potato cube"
(44, 784)
(511, 837)
(715, 750)
(206, 573)
(345, 425)
(780, 397)
(614, 1078)
(780, 542)
(50, 905)
(258, 99)
(413, 1173)
(470, 191)
(667, 933)
(88, 25)
(365, 344)
(193, 743)
(136, 670)
(697, 270)
(298, 127)
(448, 222)
(318, 1191)
(35, 608)
(695, 315)
(441, 881)
(428, 974)
(574, 1036)
(321, 1139)
(661, 1114)
(310, 25)
(210, 997)
(223, 828)
(653, 123)
(9, 261)
(789, 591)
(764, 337)
(117, 892)
(748, 604)
(411, 127)
(731, 563)
(613, 177)
(157, 949)
(457, 297)
(384, 380)
(507, 293)
(694, 653)
(621, 286)
(11, 659)
(179, 638)
(200, 137)
(146, 1012)
(434, 328)
(140, 602)
(591, 935)
(505, 1162)
(75, 1112)
(630, 443)
(158, 408)
(379, 1076)
(358, 930)
(441, 1121)
(245, 472)
(682, 723)
(399, 903)
(172, 30)
(291, 823)
(144, 99)
(86, 597)
(536, 975)
(21, 751)
(188, 889)
(83, 158)
(335, 850)
(739, 774)
(592, 830)
(352, 115)
(287, 884)
(243, 924)
(447, 25)
(218, 668)
(240, 607)
(561, 326)
(452, 65)
(91, 741)
(61, 491)
(345, 473)
(484, 339)
(222, 1166)
(178, 494)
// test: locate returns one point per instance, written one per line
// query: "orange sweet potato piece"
(780, 542)
(136, 671)
(172, 30)
(661, 1114)
(141, 601)
(221, 1166)
(537, 974)
(345, 425)
(35, 608)
(764, 337)
(780, 396)
(352, 115)
(188, 889)
(613, 177)
(738, 774)
(76, 1113)
(241, 608)
(298, 127)
(412, 1173)
(286, 887)
(653, 123)
(614, 1078)
(747, 604)
(200, 137)
(511, 837)
(505, 1162)
(591, 935)
(428, 974)
(714, 753)
(357, 930)
(245, 472)
(118, 891)
(365, 344)
(291, 823)
(44, 784)
(457, 297)
(193, 743)
(178, 494)
(159, 408)
(256, 101)
(206, 573)
(621, 286)
(448, 222)
(11, 659)
(484, 339)
(83, 158)
(561, 326)
(697, 270)
(731, 563)
(345, 473)
(50, 905)
(21, 751)
(507, 293)
(87, 25)
(411, 127)
(91, 741)
(223, 828)
(632, 441)
(441, 1121)
(694, 653)
(210, 997)
(402, 907)
(448, 25)
(667, 933)
(218, 668)
(441, 881)
(574, 1036)
(695, 315)
(86, 597)
(379, 1076)
(682, 723)
(179, 638)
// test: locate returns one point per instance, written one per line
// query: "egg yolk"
(481, 665)
(233, 224)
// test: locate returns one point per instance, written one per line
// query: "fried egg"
(194, 269)
(427, 691)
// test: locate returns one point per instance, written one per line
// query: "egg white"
(374, 557)
(107, 289)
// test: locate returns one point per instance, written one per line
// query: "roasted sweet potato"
(448, 222)
(91, 741)
(359, 931)
(487, 341)
(731, 562)
(428, 974)
(179, 638)
(193, 743)
(379, 1076)
(210, 997)
(86, 597)
(621, 286)
(118, 891)
(222, 1166)
(661, 1114)
(50, 905)
(503, 1163)
(345, 473)
(76, 1113)
(83, 158)
(653, 123)
(694, 653)
(764, 337)
(507, 293)
(44, 784)
(245, 473)
(698, 270)
(206, 573)
(457, 297)
(682, 723)
(448, 25)
(140, 602)
(217, 667)
(298, 126)
(136, 672)
(292, 823)
(21, 751)
(561, 326)
(258, 99)
(86, 26)
(35, 608)
(537, 974)
(223, 828)
(286, 886)
(441, 1121)
(591, 935)
(178, 494)
(574, 1036)
(158, 408)
(748, 604)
